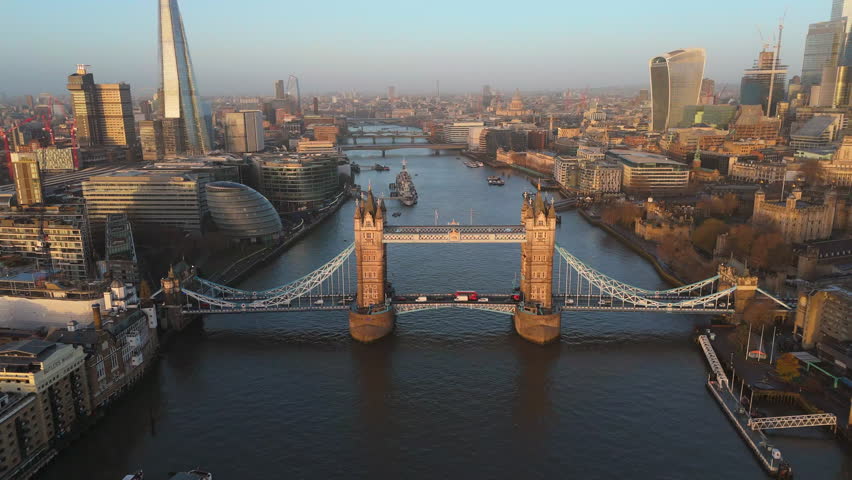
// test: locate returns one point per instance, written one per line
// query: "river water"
(451, 393)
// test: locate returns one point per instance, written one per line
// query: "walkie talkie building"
(180, 95)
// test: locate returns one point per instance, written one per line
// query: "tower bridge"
(552, 281)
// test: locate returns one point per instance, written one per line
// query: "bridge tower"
(372, 317)
(746, 287)
(538, 321)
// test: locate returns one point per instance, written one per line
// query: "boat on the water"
(396, 214)
(380, 168)
(405, 189)
(472, 164)
(495, 180)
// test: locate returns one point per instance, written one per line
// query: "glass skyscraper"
(824, 47)
(180, 94)
(675, 83)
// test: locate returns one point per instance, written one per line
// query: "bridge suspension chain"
(628, 294)
(331, 280)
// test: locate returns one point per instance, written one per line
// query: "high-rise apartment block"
(27, 178)
(103, 112)
(55, 237)
(152, 140)
(55, 374)
(675, 83)
(244, 131)
(181, 100)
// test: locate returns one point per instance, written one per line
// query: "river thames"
(451, 393)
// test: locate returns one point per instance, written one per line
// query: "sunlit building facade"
(675, 83)
(180, 98)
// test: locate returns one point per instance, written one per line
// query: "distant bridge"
(385, 147)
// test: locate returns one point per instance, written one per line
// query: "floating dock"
(768, 456)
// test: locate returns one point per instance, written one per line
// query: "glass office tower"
(180, 93)
(824, 47)
(675, 83)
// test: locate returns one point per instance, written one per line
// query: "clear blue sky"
(241, 46)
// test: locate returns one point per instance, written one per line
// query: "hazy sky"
(241, 46)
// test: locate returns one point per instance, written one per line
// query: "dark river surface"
(451, 394)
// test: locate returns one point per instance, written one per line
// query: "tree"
(741, 239)
(758, 313)
(730, 202)
(811, 170)
(623, 214)
(770, 252)
(704, 237)
(787, 367)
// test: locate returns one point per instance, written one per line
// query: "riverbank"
(644, 251)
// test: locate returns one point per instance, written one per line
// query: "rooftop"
(640, 157)
(814, 127)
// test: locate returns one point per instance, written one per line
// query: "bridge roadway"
(385, 147)
(498, 302)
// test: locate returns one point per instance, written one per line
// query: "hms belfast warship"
(404, 187)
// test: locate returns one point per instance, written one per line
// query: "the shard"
(180, 95)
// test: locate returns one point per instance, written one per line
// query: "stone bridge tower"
(371, 319)
(538, 321)
(746, 287)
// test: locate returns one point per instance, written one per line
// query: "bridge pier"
(370, 327)
(384, 152)
(374, 140)
(538, 328)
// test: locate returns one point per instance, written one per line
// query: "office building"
(645, 172)
(149, 198)
(55, 374)
(675, 83)
(325, 132)
(824, 46)
(56, 238)
(244, 131)
(181, 100)
(152, 140)
(840, 9)
(392, 93)
(243, 214)
(458, 132)
(280, 91)
(796, 219)
(27, 178)
(297, 182)
(316, 147)
(767, 74)
(103, 112)
(817, 132)
(600, 177)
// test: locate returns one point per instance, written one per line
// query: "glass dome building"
(242, 213)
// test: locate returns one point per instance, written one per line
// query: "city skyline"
(242, 52)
